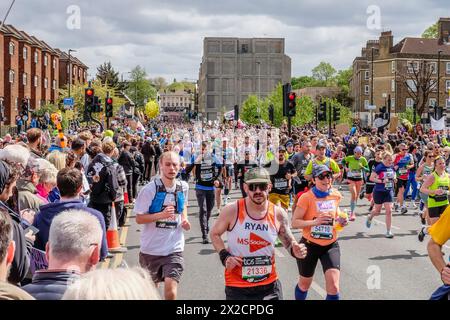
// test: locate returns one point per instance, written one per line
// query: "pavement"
(372, 266)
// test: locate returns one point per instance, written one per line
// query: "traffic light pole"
(330, 115)
(289, 126)
(107, 118)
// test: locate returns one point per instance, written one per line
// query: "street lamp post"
(259, 89)
(439, 77)
(70, 70)
(371, 86)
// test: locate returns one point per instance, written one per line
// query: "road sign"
(370, 107)
(68, 101)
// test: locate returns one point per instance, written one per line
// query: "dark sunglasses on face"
(324, 175)
(260, 186)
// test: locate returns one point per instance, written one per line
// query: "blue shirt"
(382, 172)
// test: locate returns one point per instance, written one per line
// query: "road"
(372, 266)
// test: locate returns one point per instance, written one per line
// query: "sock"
(299, 294)
(332, 297)
(352, 206)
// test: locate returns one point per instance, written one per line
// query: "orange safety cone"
(112, 234)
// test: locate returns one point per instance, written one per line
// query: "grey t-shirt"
(300, 162)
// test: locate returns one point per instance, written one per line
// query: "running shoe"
(422, 205)
(404, 210)
(361, 195)
(422, 219)
(396, 206)
(368, 222)
(352, 216)
(389, 235)
(278, 243)
(205, 241)
(421, 234)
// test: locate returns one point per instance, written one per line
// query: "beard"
(260, 200)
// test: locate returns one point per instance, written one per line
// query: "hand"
(323, 219)
(28, 215)
(216, 183)
(288, 176)
(445, 275)
(233, 262)
(299, 250)
(439, 192)
(167, 212)
(186, 225)
(29, 235)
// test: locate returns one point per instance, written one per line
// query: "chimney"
(386, 43)
(444, 30)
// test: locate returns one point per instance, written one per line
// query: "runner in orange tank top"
(252, 225)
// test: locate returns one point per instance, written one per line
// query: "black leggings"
(130, 186)
(147, 171)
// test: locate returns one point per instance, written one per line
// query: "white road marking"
(393, 227)
(321, 292)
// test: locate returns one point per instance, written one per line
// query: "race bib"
(388, 185)
(355, 174)
(281, 184)
(322, 232)
(206, 176)
(402, 171)
(169, 223)
(256, 269)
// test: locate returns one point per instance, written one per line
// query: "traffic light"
(438, 113)
(236, 113)
(24, 110)
(322, 112)
(292, 104)
(109, 107)
(89, 100)
(383, 112)
(286, 92)
(97, 105)
(336, 113)
(271, 114)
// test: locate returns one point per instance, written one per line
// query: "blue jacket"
(50, 285)
(48, 211)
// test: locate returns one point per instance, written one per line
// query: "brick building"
(234, 68)
(31, 69)
(394, 65)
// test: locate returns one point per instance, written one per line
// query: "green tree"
(249, 110)
(409, 115)
(324, 72)
(431, 32)
(304, 82)
(180, 86)
(159, 83)
(107, 75)
(139, 88)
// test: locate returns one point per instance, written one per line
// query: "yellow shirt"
(440, 231)
(327, 161)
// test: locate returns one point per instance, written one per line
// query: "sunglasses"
(261, 186)
(324, 175)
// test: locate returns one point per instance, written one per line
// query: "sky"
(166, 37)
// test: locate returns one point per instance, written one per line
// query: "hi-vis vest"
(253, 241)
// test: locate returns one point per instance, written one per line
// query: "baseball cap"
(281, 148)
(257, 175)
(318, 170)
(321, 145)
(358, 149)
(289, 144)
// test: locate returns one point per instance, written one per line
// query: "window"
(36, 81)
(413, 66)
(366, 89)
(409, 102)
(16, 103)
(11, 76)
(24, 79)
(366, 75)
(25, 53)
(393, 67)
(11, 48)
(447, 84)
(411, 85)
(54, 63)
(447, 103)
(79, 73)
(45, 83)
(54, 84)
(393, 85)
(244, 48)
(432, 102)
(433, 67)
(448, 67)
(392, 102)
(45, 60)
(433, 85)
(36, 57)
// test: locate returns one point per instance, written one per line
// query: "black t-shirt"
(280, 184)
(372, 165)
(243, 167)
